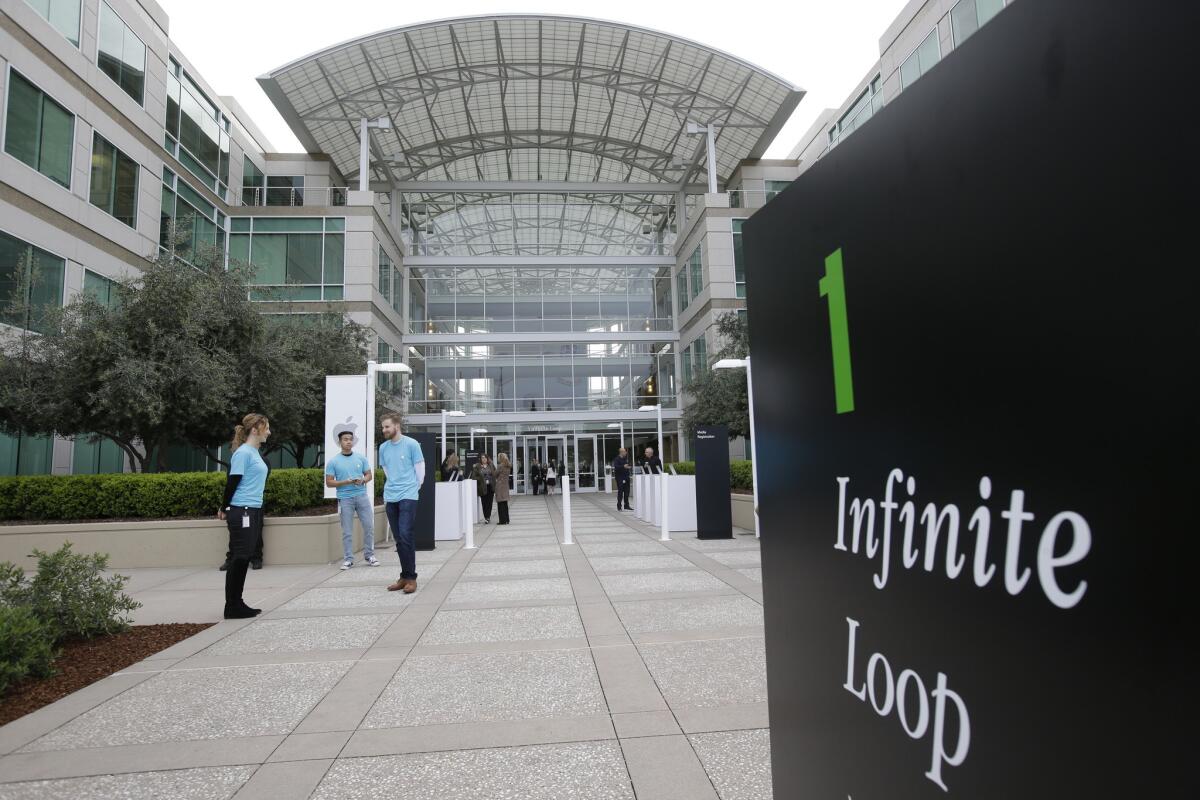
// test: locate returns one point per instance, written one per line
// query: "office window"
(700, 353)
(187, 220)
(62, 14)
(969, 15)
(294, 258)
(114, 181)
(102, 288)
(254, 184)
(921, 61)
(383, 278)
(34, 274)
(285, 190)
(681, 287)
(695, 273)
(775, 187)
(739, 261)
(39, 131)
(122, 56)
(197, 132)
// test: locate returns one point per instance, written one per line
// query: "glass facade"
(100, 287)
(186, 219)
(739, 259)
(38, 131)
(970, 15)
(62, 14)
(26, 455)
(285, 190)
(197, 132)
(922, 60)
(254, 183)
(389, 281)
(543, 376)
(695, 267)
(295, 258)
(121, 54)
(600, 299)
(114, 183)
(33, 279)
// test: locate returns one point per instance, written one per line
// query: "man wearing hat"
(351, 475)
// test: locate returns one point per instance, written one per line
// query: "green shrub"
(684, 467)
(148, 496)
(741, 475)
(70, 594)
(26, 645)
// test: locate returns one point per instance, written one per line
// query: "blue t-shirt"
(399, 460)
(248, 463)
(343, 467)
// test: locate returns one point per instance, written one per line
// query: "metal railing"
(529, 405)
(544, 325)
(318, 196)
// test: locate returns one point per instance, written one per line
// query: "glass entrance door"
(585, 463)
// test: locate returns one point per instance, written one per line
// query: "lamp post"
(445, 414)
(620, 425)
(738, 363)
(373, 370)
(656, 407)
(473, 432)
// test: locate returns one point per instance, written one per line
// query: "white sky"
(822, 46)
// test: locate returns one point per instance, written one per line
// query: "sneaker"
(348, 563)
(373, 561)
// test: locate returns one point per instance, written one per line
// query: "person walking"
(485, 479)
(535, 476)
(651, 464)
(503, 471)
(404, 467)
(350, 473)
(551, 476)
(620, 467)
(242, 511)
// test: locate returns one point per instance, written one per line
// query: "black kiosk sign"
(976, 317)
(714, 515)
(423, 524)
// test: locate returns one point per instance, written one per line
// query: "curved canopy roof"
(528, 98)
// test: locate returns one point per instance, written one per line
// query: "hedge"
(741, 473)
(149, 496)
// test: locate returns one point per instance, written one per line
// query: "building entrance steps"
(620, 667)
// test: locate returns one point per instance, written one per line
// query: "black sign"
(423, 525)
(714, 514)
(975, 321)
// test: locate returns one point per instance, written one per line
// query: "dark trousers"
(536, 484)
(487, 504)
(401, 516)
(256, 552)
(623, 493)
(502, 507)
(242, 543)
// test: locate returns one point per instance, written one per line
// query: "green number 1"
(833, 286)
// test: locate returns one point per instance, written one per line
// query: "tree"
(179, 356)
(719, 396)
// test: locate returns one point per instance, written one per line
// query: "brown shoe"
(410, 586)
(400, 583)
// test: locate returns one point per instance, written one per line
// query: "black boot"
(235, 582)
(245, 612)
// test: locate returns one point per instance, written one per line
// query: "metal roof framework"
(514, 98)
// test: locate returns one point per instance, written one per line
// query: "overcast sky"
(823, 46)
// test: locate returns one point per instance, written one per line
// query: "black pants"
(256, 554)
(536, 484)
(487, 504)
(623, 494)
(502, 507)
(243, 539)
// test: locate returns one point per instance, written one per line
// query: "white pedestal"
(654, 496)
(608, 484)
(447, 517)
(641, 502)
(682, 501)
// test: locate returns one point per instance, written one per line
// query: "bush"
(70, 594)
(741, 475)
(684, 467)
(26, 645)
(148, 496)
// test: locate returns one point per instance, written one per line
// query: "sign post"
(714, 510)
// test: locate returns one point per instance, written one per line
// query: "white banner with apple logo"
(345, 410)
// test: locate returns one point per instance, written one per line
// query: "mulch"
(82, 663)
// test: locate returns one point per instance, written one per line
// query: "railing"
(546, 325)
(279, 196)
(537, 405)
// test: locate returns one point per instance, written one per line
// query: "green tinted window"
(39, 131)
(287, 225)
(240, 224)
(30, 278)
(62, 14)
(121, 54)
(335, 224)
(335, 258)
(114, 181)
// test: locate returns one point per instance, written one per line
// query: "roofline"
(270, 76)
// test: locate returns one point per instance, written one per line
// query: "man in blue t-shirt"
(350, 473)
(404, 465)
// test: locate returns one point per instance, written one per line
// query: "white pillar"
(712, 159)
(364, 145)
(443, 435)
(660, 447)
(468, 501)
(666, 506)
(565, 481)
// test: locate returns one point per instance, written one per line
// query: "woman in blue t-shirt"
(241, 508)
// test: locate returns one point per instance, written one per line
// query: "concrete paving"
(618, 667)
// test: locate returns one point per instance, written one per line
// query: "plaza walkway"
(619, 667)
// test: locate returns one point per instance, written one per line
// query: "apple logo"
(349, 426)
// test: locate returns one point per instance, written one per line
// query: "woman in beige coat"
(503, 471)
